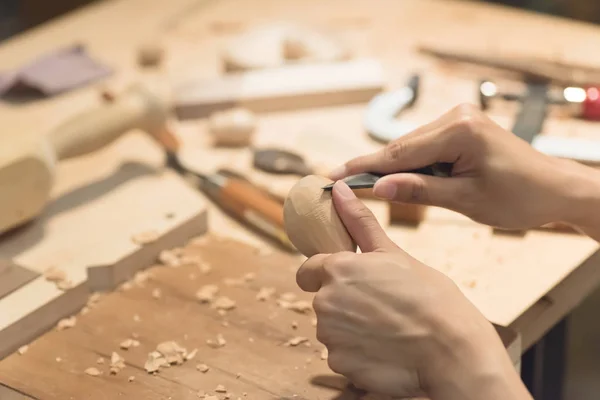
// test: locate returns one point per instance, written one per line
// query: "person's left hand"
(393, 325)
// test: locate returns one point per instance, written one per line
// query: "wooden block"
(100, 203)
(285, 88)
(13, 276)
(407, 213)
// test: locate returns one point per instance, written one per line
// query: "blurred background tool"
(278, 161)
(381, 117)
(27, 166)
(530, 120)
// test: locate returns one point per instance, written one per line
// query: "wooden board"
(255, 333)
(100, 202)
(13, 276)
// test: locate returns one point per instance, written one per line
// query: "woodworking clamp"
(380, 119)
(530, 120)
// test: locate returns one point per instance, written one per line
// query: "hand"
(497, 178)
(396, 327)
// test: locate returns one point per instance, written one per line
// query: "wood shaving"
(94, 298)
(58, 359)
(128, 343)
(157, 293)
(224, 303)
(249, 277)
(22, 350)
(190, 356)
(136, 318)
(220, 389)
(131, 378)
(205, 268)
(222, 313)
(265, 293)
(117, 363)
(198, 240)
(100, 360)
(283, 303)
(58, 277)
(93, 371)
(202, 368)
(207, 293)
(141, 277)
(85, 310)
(294, 324)
(295, 341)
(66, 323)
(324, 353)
(287, 296)
(191, 260)
(145, 237)
(64, 285)
(172, 352)
(169, 258)
(301, 306)
(126, 286)
(220, 342)
(154, 362)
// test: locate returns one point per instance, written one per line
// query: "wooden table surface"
(524, 282)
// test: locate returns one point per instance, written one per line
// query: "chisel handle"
(137, 108)
(254, 207)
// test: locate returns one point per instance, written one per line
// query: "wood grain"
(255, 332)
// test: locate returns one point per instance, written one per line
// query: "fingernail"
(343, 190)
(384, 190)
(338, 173)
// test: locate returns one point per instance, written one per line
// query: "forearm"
(582, 208)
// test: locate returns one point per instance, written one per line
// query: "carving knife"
(368, 179)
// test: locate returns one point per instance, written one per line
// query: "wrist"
(581, 196)
(474, 366)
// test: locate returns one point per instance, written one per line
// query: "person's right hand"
(497, 178)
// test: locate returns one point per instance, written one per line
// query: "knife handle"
(253, 206)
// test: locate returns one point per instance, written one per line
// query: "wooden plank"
(255, 332)
(7, 393)
(13, 276)
(101, 201)
(285, 88)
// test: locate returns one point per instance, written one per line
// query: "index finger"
(422, 147)
(310, 275)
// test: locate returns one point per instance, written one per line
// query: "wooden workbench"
(526, 283)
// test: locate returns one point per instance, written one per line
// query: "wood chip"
(222, 313)
(154, 361)
(191, 260)
(169, 258)
(58, 359)
(94, 298)
(145, 237)
(220, 389)
(55, 274)
(190, 356)
(202, 368)
(93, 371)
(301, 306)
(141, 277)
(157, 293)
(220, 342)
(238, 375)
(295, 341)
(136, 318)
(224, 303)
(207, 293)
(172, 352)
(131, 378)
(64, 285)
(294, 324)
(100, 360)
(126, 286)
(249, 277)
(117, 363)
(204, 268)
(66, 323)
(128, 343)
(22, 350)
(287, 296)
(324, 353)
(313, 321)
(265, 293)
(85, 310)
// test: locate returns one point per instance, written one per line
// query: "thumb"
(359, 220)
(423, 189)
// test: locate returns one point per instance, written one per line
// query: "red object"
(590, 109)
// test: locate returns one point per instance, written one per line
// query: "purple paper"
(54, 73)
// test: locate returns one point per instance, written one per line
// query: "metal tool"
(529, 122)
(240, 199)
(278, 161)
(368, 179)
(380, 119)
